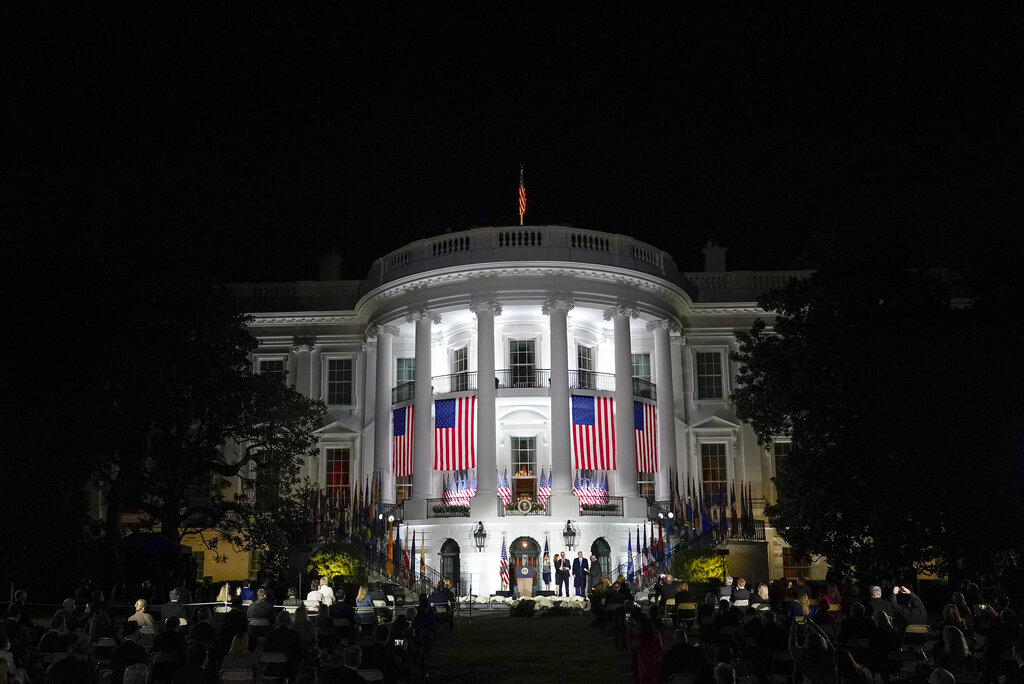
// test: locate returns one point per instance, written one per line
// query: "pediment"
(335, 430)
(714, 423)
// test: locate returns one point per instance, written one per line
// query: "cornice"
(289, 318)
(642, 284)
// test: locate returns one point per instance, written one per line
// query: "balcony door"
(522, 358)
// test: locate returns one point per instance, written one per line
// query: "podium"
(524, 578)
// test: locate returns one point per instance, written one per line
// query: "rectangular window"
(524, 468)
(642, 366)
(337, 476)
(272, 367)
(460, 369)
(406, 370)
(585, 366)
(403, 488)
(709, 375)
(795, 565)
(199, 563)
(267, 485)
(645, 485)
(339, 381)
(255, 562)
(522, 361)
(780, 450)
(713, 472)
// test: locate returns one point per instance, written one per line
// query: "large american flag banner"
(646, 437)
(593, 432)
(504, 491)
(454, 433)
(401, 441)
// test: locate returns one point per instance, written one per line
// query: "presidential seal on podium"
(524, 578)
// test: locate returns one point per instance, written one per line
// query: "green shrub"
(335, 560)
(699, 565)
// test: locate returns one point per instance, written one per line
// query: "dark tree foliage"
(903, 419)
(158, 408)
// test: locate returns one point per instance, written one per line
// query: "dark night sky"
(249, 142)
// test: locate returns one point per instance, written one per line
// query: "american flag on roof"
(455, 433)
(646, 437)
(401, 441)
(593, 432)
(522, 196)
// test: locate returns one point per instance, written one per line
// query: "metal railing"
(445, 510)
(749, 530)
(611, 509)
(403, 392)
(454, 382)
(518, 378)
(505, 512)
(644, 388)
(589, 380)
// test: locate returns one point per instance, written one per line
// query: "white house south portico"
(482, 342)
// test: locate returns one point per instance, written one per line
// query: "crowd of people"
(834, 632)
(245, 629)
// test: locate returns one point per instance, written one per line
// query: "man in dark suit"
(562, 567)
(877, 604)
(173, 608)
(580, 570)
(261, 608)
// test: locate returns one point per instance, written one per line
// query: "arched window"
(450, 563)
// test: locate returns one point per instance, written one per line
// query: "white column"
(315, 373)
(667, 457)
(625, 439)
(486, 434)
(561, 452)
(423, 437)
(382, 408)
(302, 352)
(291, 366)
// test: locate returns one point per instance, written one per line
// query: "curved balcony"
(522, 378)
(524, 243)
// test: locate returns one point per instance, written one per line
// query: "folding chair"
(236, 676)
(967, 677)
(258, 627)
(687, 614)
(372, 675)
(103, 648)
(273, 668)
(741, 603)
(164, 664)
(366, 616)
(783, 668)
(916, 635)
(669, 610)
(903, 664)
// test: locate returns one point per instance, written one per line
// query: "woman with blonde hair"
(363, 597)
(762, 593)
(239, 657)
(953, 654)
(141, 617)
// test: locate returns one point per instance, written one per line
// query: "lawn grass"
(497, 648)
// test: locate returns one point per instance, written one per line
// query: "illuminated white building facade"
(523, 320)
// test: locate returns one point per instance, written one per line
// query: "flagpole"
(522, 195)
